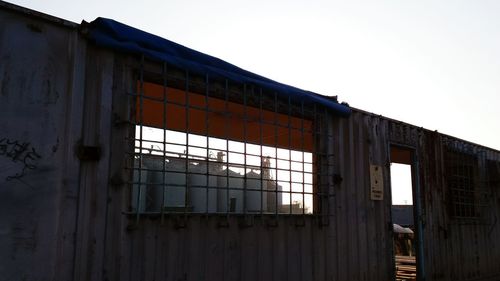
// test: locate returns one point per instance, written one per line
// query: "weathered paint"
(63, 218)
(454, 249)
(41, 89)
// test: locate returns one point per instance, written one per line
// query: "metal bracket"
(88, 153)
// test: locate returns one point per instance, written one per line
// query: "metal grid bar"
(290, 152)
(141, 113)
(226, 106)
(465, 181)
(261, 133)
(279, 176)
(186, 165)
(245, 117)
(207, 126)
(303, 155)
(276, 205)
(164, 172)
(317, 187)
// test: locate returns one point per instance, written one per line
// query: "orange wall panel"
(223, 119)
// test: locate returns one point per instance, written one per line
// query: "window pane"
(253, 160)
(283, 154)
(253, 149)
(283, 164)
(236, 146)
(269, 151)
(297, 155)
(297, 166)
(197, 140)
(217, 143)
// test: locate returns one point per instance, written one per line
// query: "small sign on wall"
(376, 182)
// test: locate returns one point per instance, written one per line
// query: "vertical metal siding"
(453, 250)
(94, 175)
(40, 97)
(361, 225)
(349, 247)
(65, 220)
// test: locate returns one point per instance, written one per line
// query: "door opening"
(403, 213)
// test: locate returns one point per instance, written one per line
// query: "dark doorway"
(403, 212)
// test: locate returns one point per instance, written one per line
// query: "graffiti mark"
(19, 152)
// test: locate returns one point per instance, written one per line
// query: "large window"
(220, 148)
(217, 175)
(463, 183)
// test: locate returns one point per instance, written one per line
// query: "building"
(128, 157)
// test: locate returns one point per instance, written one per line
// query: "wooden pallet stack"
(406, 268)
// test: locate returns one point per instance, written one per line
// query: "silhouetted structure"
(291, 185)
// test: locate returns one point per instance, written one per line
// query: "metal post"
(418, 207)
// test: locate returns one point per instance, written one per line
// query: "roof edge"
(38, 15)
(115, 35)
(357, 110)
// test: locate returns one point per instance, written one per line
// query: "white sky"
(434, 64)
(401, 187)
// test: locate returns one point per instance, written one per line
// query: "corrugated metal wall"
(362, 229)
(64, 219)
(354, 245)
(457, 250)
(454, 249)
(41, 90)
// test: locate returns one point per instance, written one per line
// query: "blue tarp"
(112, 34)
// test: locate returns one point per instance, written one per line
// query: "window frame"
(148, 72)
(461, 180)
(466, 180)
